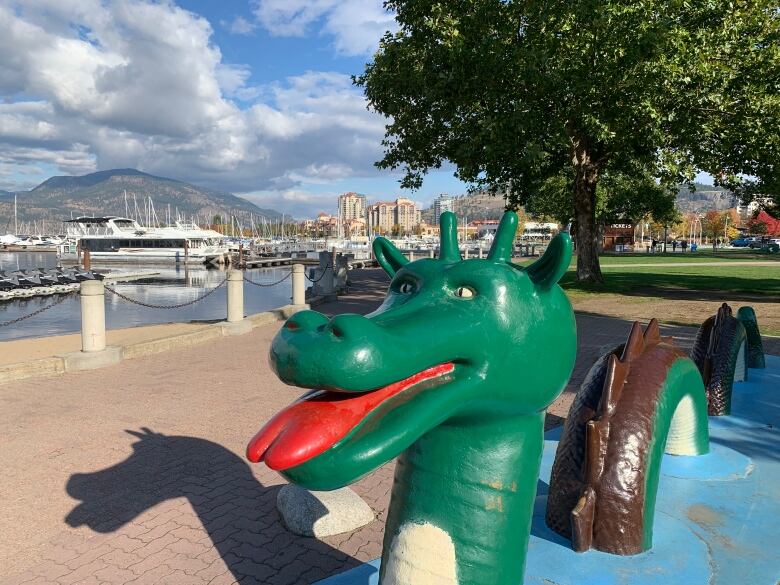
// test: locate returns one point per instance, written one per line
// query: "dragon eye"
(406, 288)
(465, 292)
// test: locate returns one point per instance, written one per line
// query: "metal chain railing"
(177, 306)
(265, 284)
(59, 300)
(324, 272)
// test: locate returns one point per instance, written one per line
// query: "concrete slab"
(236, 327)
(79, 360)
(322, 514)
(716, 516)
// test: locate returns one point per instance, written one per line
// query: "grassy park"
(681, 289)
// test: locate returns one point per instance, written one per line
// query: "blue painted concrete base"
(717, 516)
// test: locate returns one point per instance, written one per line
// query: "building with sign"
(617, 235)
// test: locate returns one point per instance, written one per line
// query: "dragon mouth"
(321, 418)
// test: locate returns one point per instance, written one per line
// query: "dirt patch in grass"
(678, 311)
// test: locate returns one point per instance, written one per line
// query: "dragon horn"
(448, 233)
(501, 250)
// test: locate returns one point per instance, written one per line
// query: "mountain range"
(704, 198)
(123, 192)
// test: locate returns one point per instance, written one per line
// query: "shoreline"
(57, 354)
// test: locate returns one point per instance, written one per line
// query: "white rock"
(322, 514)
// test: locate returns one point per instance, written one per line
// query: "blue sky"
(248, 96)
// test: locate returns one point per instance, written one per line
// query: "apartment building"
(385, 217)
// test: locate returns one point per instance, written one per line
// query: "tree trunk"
(587, 236)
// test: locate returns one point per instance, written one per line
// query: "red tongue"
(312, 425)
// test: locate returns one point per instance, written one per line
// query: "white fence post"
(93, 316)
(298, 285)
(235, 296)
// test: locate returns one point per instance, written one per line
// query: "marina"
(157, 285)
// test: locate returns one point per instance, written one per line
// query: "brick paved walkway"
(136, 474)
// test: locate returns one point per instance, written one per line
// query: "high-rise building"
(441, 204)
(352, 206)
(407, 216)
(386, 216)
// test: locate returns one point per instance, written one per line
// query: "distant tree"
(522, 218)
(620, 197)
(517, 93)
(758, 227)
(733, 221)
(714, 225)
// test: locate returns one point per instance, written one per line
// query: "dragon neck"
(461, 506)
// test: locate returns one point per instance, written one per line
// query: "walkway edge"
(78, 361)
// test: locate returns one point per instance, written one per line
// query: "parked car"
(739, 243)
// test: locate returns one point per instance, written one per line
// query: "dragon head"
(454, 342)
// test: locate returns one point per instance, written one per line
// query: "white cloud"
(295, 202)
(355, 25)
(91, 84)
(239, 26)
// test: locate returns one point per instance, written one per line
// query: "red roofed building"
(772, 224)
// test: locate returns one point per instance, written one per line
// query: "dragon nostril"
(291, 325)
(337, 331)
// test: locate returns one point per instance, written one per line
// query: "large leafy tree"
(518, 93)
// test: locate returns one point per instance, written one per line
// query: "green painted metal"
(682, 380)
(470, 440)
(755, 347)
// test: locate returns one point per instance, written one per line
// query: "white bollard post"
(465, 253)
(298, 285)
(235, 296)
(93, 316)
(480, 251)
(431, 253)
(411, 255)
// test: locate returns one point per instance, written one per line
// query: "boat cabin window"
(114, 244)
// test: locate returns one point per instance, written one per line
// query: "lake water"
(172, 286)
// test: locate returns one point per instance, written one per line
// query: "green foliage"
(758, 227)
(526, 97)
(619, 197)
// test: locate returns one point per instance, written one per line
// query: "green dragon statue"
(451, 375)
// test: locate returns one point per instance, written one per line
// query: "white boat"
(121, 239)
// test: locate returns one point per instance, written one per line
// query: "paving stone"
(153, 576)
(114, 574)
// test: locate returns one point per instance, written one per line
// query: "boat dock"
(24, 292)
(287, 261)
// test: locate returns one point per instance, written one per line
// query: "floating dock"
(58, 289)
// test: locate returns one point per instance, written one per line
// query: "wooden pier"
(286, 261)
(277, 261)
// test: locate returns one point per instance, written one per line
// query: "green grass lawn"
(707, 255)
(675, 291)
(758, 280)
(736, 256)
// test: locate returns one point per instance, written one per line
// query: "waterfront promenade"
(135, 473)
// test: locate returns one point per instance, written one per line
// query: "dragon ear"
(549, 269)
(448, 235)
(504, 240)
(388, 256)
